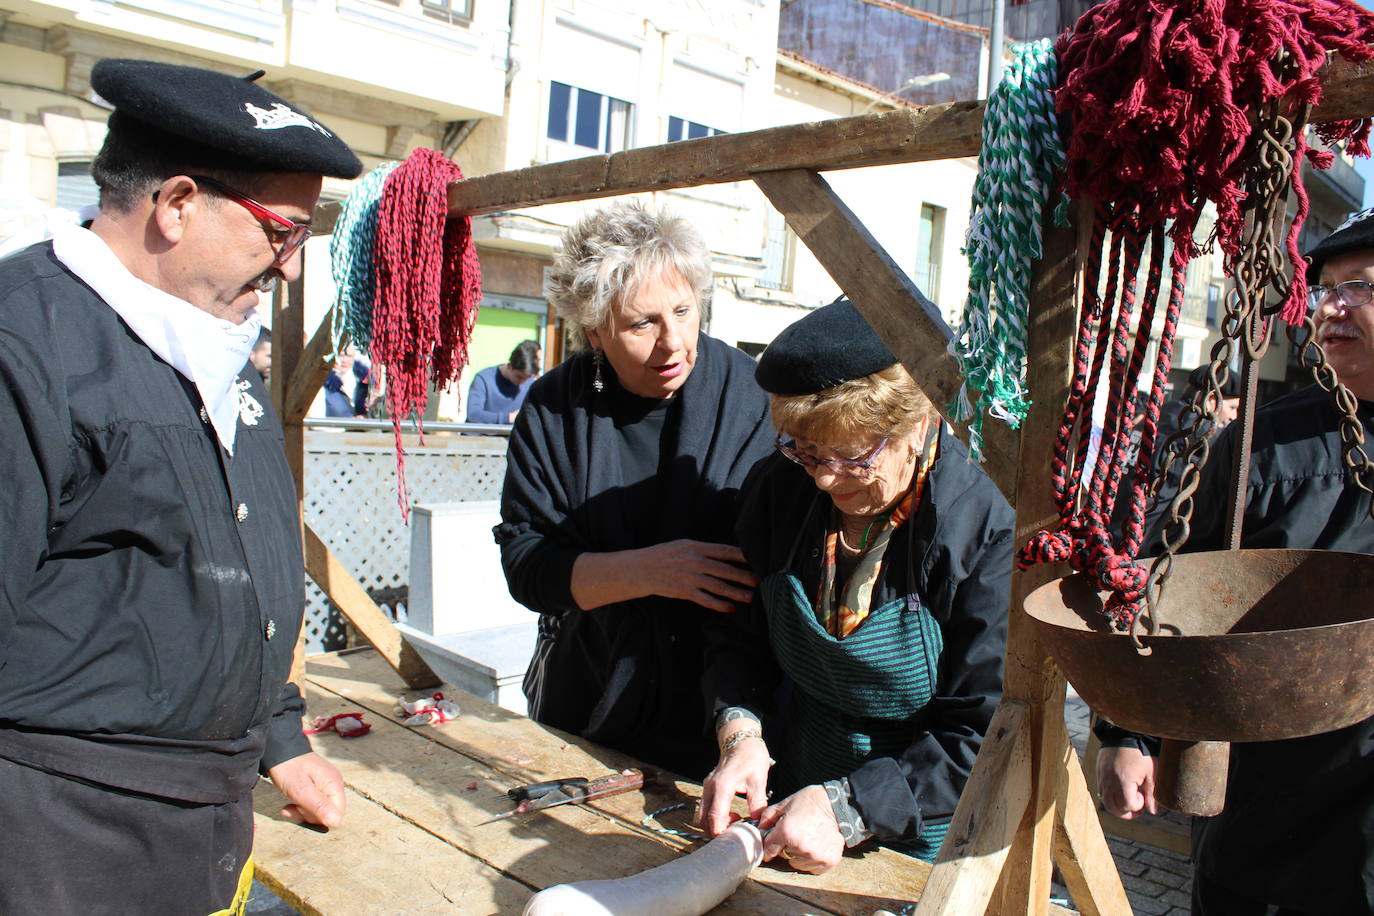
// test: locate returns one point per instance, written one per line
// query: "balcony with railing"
(1340, 186)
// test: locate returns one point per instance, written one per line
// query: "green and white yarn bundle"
(350, 254)
(1021, 154)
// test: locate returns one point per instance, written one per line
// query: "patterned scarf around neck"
(842, 617)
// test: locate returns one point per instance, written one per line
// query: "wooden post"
(288, 335)
(1055, 806)
(296, 379)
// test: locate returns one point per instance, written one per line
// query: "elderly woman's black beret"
(831, 345)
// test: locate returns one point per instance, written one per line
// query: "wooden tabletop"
(410, 841)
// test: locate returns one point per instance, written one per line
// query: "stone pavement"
(1158, 882)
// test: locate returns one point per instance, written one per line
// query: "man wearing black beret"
(1296, 835)
(151, 585)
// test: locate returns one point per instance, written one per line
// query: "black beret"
(1199, 379)
(237, 119)
(831, 345)
(1355, 233)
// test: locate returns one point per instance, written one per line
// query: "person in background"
(870, 661)
(346, 386)
(618, 508)
(1296, 835)
(261, 357)
(1220, 413)
(498, 391)
(152, 584)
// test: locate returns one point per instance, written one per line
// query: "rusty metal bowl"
(1255, 645)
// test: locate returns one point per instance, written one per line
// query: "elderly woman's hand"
(711, 575)
(802, 829)
(742, 770)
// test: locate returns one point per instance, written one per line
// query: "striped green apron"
(855, 697)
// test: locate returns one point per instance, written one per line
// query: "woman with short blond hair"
(619, 502)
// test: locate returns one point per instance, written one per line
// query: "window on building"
(779, 253)
(454, 12)
(588, 119)
(1213, 304)
(930, 244)
(682, 129)
(75, 187)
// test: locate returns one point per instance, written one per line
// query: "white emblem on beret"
(280, 116)
(1357, 218)
(250, 411)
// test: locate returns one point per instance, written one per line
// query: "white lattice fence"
(350, 501)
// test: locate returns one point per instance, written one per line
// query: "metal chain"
(1353, 454)
(1258, 266)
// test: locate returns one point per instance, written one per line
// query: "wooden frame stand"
(1027, 806)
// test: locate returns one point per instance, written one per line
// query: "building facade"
(497, 86)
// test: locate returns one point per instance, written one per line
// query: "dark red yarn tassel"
(428, 287)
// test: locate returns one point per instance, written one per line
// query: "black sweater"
(625, 675)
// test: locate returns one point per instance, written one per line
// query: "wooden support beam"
(374, 626)
(980, 836)
(1346, 90)
(1080, 849)
(288, 323)
(1031, 677)
(312, 368)
(908, 322)
(907, 135)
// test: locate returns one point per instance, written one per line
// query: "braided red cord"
(1158, 93)
(428, 287)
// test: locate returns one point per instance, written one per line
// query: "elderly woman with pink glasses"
(885, 559)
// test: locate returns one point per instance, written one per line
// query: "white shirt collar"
(210, 352)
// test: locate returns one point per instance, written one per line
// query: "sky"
(1366, 166)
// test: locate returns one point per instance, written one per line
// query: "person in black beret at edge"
(870, 661)
(1296, 832)
(151, 585)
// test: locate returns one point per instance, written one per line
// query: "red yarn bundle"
(428, 287)
(1159, 95)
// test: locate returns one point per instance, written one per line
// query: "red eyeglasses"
(295, 233)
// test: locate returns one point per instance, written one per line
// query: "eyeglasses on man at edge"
(1351, 293)
(851, 467)
(296, 235)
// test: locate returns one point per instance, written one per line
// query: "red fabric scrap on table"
(347, 724)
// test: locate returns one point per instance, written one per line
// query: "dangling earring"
(597, 384)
